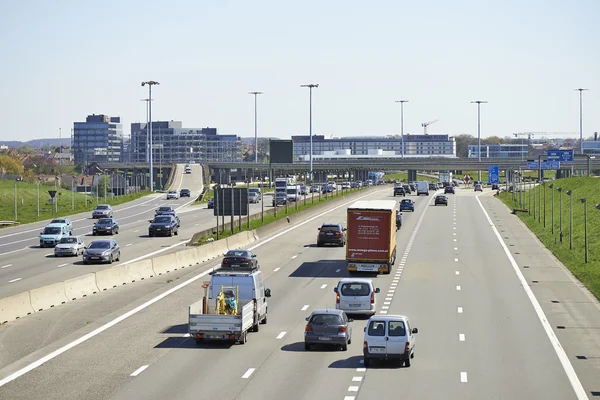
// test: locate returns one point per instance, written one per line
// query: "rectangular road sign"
(545, 165)
(560, 155)
(224, 203)
(493, 174)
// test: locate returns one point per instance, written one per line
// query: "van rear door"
(397, 336)
(355, 296)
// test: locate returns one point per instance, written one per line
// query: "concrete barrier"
(187, 258)
(138, 271)
(163, 264)
(220, 247)
(14, 307)
(233, 242)
(84, 285)
(48, 296)
(111, 277)
(203, 253)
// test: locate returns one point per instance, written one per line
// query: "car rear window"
(396, 328)
(330, 228)
(326, 319)
(355, 289)
(105, 221)
(376, 328)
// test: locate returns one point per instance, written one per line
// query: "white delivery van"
(422, 188)
(389, 337)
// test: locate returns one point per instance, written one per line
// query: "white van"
(356, 296)
(389, 337)
(422, 188)
(250, 286)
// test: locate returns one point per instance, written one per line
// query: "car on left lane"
(185, 193)
(106, 226)
(328, 327)
(105, 250)
(441, 199)
(407, 205)
(69, 246)
(167, 225)
(172, 194)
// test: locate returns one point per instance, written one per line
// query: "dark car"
(495, 186)
(399, 190)
(102, 251)
(441, 199)
(165, 210)
(185, 193)
(328, 327)
(412, 187)
(211, 203)
(449, 189)
(239, 259)
(167, 225)
(332, 234)
(433, 186)
(407, 189)
(106, 226)
(407, 205)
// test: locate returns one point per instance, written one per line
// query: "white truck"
(235, 302)
(293, 192)
(445, 178)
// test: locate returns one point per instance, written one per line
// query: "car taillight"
(407, 347)
(245, 260)
(226, 260)
(365, 345)
(372, 297)
(308, 328)
(337, 299)
(342, 329)
(338, 234)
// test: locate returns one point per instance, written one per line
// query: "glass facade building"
(499, 151)
(98, 139)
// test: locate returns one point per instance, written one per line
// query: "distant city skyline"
(524, 58)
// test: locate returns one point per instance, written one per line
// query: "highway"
(24, 265)
(482, 332)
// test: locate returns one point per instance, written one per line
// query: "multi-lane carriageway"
(463, 276)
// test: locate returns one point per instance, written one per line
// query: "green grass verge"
(401, 176)
(257, 222)
(574, 259)
(27, 200)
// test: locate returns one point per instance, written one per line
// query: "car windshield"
(396, 328)
(68, 240)
(291, 191)
(355, 289)
(406, 201)
(172, 192)
(376, 328)
(325, 319)
(52, 231)
(162, 219)
(254, 190)
(102, 208)
(238, 253)
(58, 221)
(185, 190)
(99, 245)
(164, 209)
(104, 221)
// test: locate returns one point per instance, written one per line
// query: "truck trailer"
(371, 236)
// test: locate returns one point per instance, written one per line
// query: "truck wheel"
(264, 320)
(255, 328)
(407, 362)
(243, 338)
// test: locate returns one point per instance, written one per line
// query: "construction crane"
(426, 124)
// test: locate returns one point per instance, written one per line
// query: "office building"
(98, 139)
(517, 151)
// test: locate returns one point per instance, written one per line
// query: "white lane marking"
(248, 373)
(276, 269)
(453, 227)
(6, 266)
(353, 389)
(130, 244)
(456, 248)
(62, 265)
(457, 287)
(349, 397)
(391, 290)
(337, 270)
(385, 308)
(281, 335)
(463, 377)
(48, 255)
(383, 312)
(395, 280)
(388, 298)
(14, 280)
(461, 337)
(139, 370)
(387, 303)
(122, 317)
(560, 352)
(454, 233)
(356, 378)
(456, 259)
(305, 307)
(455, 240)
(294, 257)
(460, 310)
(15, 251)
(153, 253)
(136, 231)
(457, 272)
(323, 286)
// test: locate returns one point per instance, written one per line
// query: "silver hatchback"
(328, 327)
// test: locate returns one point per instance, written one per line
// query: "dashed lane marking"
(6, 266)
(461, 337)
(305, 307)
(460, 310)
(463, 377)
(248, 373)
(323, 286)
(62, 265)
(281, 335)
(14, 280)
(457, 287)
(139, 370)
(276, 269)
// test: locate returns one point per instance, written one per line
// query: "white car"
(172, 194)
(389, 337)
(356, 296)
(69, 246)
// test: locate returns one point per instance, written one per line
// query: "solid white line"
(294, 257)
(276, 269)
(139, 370)
(14, 280)
(305, 307)
(457, 287)
(152, 254)
(460, 310)
(281, 335)
(457, 272)
(560, 352)
(353, 389)
(248, 373)
(6, 266)
(323, 286)
(463, 377)
(461, 337)
(62, 265)
(356, 378)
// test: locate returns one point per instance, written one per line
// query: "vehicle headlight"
(168, 227)
(106, 252)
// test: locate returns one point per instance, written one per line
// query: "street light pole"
(73, 192)
(569, 193)
(150, 84)
(402, 122)
(551, 186)
(580, 119)
(585, 238)
(38, 196)
(560, 213)
(310, 88)
(255, 126)
(479, 102)
(544, 183)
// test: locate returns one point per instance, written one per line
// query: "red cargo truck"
(371, 236)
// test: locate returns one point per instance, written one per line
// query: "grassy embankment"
(27, 202)
(581, 187)
(401, 176)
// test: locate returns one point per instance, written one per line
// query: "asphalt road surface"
(480, 335)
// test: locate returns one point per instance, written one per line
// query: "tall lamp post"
(551, 186)
(560, 213)
(570, 193)
(479, 102)
(39, 180)
(402, 122)
(544, 184)
(73, 192)
(585, 238)
(580, 119)
(150, 84)
(16, 180)
(310, 88)
(255, 126)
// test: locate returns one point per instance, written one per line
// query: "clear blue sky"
(63, 60)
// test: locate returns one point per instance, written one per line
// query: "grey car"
(328, 327)
(106, 250)
(102, 211)
(69, 246)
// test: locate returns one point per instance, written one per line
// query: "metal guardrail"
(9, 223)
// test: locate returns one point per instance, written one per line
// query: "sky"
(63, 60)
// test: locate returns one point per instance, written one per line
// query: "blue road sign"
(493, 174)
(560, 155)
(545, 165)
